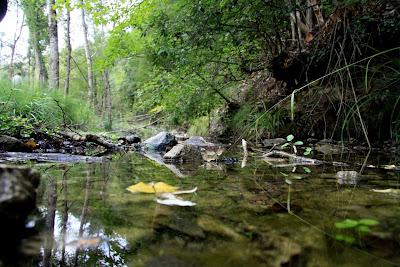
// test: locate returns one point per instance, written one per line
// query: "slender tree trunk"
(107, 99)
(13, 46)
(51, 213)
(90, 80)
(69, 49)
(40, 69)
(54, 66)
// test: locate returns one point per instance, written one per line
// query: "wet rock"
(273, 142)
(17, 197)
(196, 148)
(198, 141)
(160, 142)
(8, 143)
(330, 149)
(129, 139)
(348, 177)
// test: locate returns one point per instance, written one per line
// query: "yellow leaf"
(152, 188)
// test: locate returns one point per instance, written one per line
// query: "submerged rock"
(8, 143)
(196, 148)
(161, 141)
(348, 177)
(17, 196)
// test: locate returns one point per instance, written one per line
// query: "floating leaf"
(152, 188)
(390, 190)
(288, 181)
(299, 143)
(176, 202)
(290, 137)
(170, 199)
(284, 174)
(306, 170)
(369, 222)
(348, 223)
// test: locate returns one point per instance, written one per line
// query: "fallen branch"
(295, 158)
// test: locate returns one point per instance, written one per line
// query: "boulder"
(273, 142)
(196, 148)
(129, 139)
(161, 141)
(8, 143)
(17, 196)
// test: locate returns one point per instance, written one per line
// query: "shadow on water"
(252, 216)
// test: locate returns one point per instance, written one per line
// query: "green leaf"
(307, 151)
(284, 174)
(346, 224)
(306, 170)
(285, 145)
(363, 229)
(299, 143)
(290, 137)
(368, 222)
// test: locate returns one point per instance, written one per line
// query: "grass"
(24, 108)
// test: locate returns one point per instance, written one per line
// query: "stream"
(258, 215)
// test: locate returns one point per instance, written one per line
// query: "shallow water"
(86, 217)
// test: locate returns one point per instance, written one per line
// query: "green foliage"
(294, 144)
(253, 124)
(354, 228)
(25, 109)
(199, 126)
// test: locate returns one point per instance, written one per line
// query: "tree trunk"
(107, 100)
(54, 66)
(40, 69)
(13, 46)
(90, 82)
(69, 49)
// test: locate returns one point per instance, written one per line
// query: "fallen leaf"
(170, 199)
(185, 191)
(152, 188)
(390, 190)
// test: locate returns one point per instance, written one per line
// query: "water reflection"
(245, 217)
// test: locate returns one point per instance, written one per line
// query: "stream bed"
(258, 215)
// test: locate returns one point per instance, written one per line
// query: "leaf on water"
(390, 167)
(307, 151)
(299, 143)
(290, 137)
(348, 223)
(152, 188)
(170, 199)
(390, 191)
(288, 181)
(306, 170)
(368, 222)
(284, 174)
(175, 202)
(185, 191)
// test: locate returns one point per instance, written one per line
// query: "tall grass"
(24, 108)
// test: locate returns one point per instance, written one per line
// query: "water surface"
(258, 215)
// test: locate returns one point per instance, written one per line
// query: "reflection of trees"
(64, 214)
(84, 212)
(51, 212)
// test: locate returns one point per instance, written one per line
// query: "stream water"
(258, 215)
